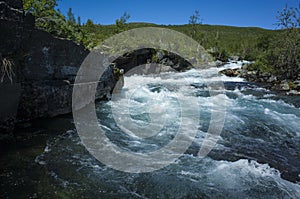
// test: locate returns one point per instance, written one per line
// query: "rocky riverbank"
(272, 82)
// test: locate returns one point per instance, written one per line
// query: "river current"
(257, 154)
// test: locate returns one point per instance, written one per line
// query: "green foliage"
(71, 17)
(261, 65)
(264, 42)
(90, 24)
(292, 85)
(79, 21)
(46, 16)
(282, 52)
(237, 41)
(54, 22)
(221, 41)
(155, 58)
(121, 23)
(194, 21)
(289, 18)
(220, 54)
(195, 18)
(41, 8)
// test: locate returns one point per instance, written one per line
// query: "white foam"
(290, 121)
(269, 95)
(241, 176)
(245, 168)
(279, 102)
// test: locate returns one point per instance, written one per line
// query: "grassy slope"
(240, 41)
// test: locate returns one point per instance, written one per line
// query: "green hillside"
(221, 41)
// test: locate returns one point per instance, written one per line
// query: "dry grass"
(7, 69)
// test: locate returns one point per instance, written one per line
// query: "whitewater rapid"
(257, 155)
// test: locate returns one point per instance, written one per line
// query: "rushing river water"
(257, 154)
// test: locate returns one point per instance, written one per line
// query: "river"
(257, 154)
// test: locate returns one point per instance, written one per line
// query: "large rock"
(49, 58)
(148, 56)
(39, 72)
(11, 10)
(283, 86)
(10, 96)
(11, 18)
(17, 4)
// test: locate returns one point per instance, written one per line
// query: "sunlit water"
(257, 154)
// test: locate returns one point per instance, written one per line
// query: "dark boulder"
(37, 70)
(151, 56)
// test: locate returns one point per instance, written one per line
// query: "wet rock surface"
(37, 70)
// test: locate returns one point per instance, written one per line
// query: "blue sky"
(255, 13)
